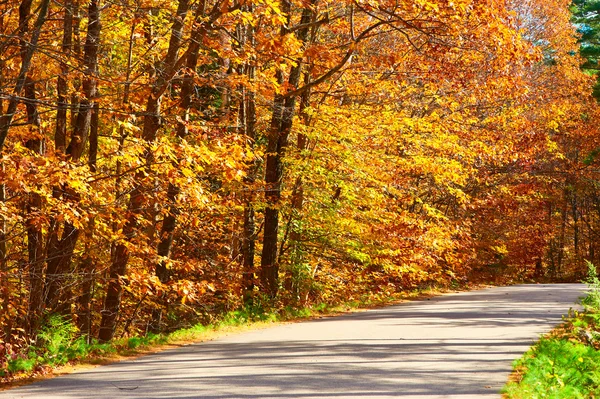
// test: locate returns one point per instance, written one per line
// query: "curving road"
(452, 346)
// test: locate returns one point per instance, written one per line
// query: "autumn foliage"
(166, 161)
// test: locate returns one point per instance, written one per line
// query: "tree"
(587, 19)
(196, 157)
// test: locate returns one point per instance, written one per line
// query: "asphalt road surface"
(452, 346)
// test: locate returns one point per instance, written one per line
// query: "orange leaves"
(435, 135)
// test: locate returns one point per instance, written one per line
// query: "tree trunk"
(90, 57)
(575, 216)
(277, 140)
(87, 270)
(60, 135)
(87, 264)
(4, 280)
(247, 123)
(297, 203)
(164, 251)
(35, 143)
(169, 224)
(28, 49)
(249, 233)
(60, 251)
(165, 71)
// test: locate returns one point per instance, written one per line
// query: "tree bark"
(90, 57)
(35, 144)
(87, 270)
(277, 141)
(60, 251)
(60, 135)
(249, 233)
(4, 280)
(28, 49)
(165, 70)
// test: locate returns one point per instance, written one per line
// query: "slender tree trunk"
(122, 131)
(34, 143)
(164, 251)
(575, 216)
(247, 124)
(112, 301)
(165, 71)
(60, 135)
(4, 280)
(36, 264)
(84, 319)
(60, 251)
(562, 240)
(249, 234)
(297, 203)
(5, 286)
(90, 57)
(277, 141)
(28, 49)
(93, 150)
(76, 48)
(87, 264)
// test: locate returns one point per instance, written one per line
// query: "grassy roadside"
(565, 364)
(61, 349)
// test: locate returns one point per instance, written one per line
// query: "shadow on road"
(454, 346)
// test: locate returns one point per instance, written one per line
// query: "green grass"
(566, 363)
(557, 368)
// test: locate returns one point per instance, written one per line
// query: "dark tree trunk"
(294, 280)
(165, 71)
(277, 141)
(169, 224)
(93, 152)
(4, 280)
(28, 48)
(60, 135)
(84, 319)
(247, 123)
(112, 301)
(36, 264)
(60, 251)
(82, 123)
(249, 233)
(164, 250)
(35, 143)
(87, 272)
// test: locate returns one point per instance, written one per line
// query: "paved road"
(453, 346)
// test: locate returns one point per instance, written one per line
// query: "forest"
(166, 161)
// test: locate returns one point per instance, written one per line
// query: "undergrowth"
(566, 363)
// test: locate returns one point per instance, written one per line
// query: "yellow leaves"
(187, 172)
(127, 126)
(500, 249)
(426, 5)
(553, 148)
(245, 17)
(272, 9)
